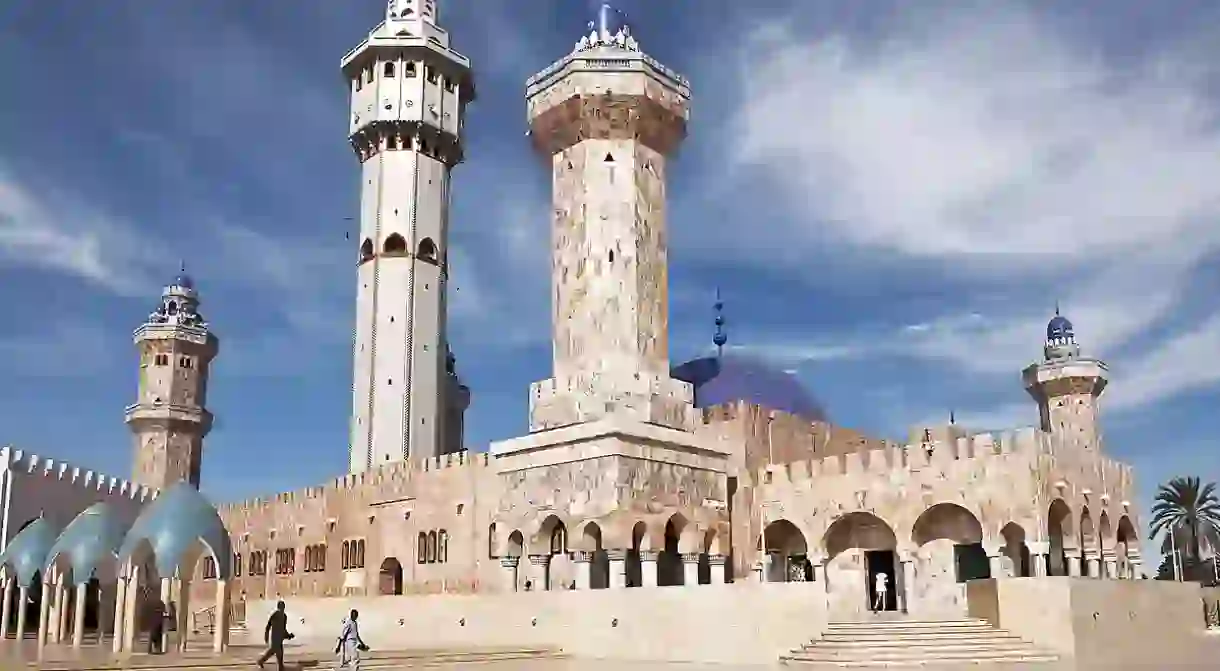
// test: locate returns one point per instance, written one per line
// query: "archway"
(635, 563)
(389, 578)
(513, 548)
(950, 541)
(859, 547)
(1016, 552)
(669, 560)
(786, 553)
(1105, 546)
(1127, 548)
(710, 546)
(599, 561)
(1061, 535)
(1088, 545)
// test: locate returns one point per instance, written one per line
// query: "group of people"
(347, 649)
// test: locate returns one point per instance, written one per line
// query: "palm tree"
(1187, 513)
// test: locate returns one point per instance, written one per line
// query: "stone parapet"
(20, 461)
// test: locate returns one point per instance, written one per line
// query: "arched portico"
(859, 546)
(785, 553)
(592, 561)
(26, 601)
(1105, 546)
(1090, 555)
(389, 577)
(1017, 558)
(1063, 542)
(1127, 548)
(949, 551)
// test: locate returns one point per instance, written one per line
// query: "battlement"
(393, 472)
(909, 457)
(20, 461)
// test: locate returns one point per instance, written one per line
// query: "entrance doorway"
(875, 563)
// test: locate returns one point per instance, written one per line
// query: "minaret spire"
(721, 337)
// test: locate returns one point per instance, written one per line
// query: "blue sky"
(890, 200)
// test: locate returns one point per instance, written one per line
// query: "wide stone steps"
(886, 643)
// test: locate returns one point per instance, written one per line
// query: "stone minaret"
(606, 117)
(169, 419)
(409, 92)
(1067, 388)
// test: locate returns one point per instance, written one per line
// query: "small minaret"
(169, 419)
(409, 92)
(606, 117)
(1067, 388)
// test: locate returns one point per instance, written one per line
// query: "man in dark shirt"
(274, 635)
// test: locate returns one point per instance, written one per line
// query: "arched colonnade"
(945, 545)
(669, 551)
(103, 579)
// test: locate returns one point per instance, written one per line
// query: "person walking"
(350, 644)
(156, 615)
(881, 588)
(274, 635)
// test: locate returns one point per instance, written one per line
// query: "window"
(410, 69)
(185, 362)
(209, 568)
(421, 553)
(236, 564)
(353, 555)
(442, 546)
(430, 73)
(559, 540)
(388, 71)
(161, 360)
(431, 547)
(285, 561)
(366, 250)
(395, 244)
(491, 541)
(368, 75)
(258, 563)
(427, 250)
(315, 558)
(450, 85)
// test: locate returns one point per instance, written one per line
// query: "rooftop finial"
(608, 29)
(952, 416)
(721, 337)
(1057, 307)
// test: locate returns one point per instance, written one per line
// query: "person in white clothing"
(881, 587)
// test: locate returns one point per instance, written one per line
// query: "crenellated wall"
(32, 485)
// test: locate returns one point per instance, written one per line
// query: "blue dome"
(1058, 328)
(720, 380)
(184, 281)
(95, 534)
(172, 523)
(27, 553)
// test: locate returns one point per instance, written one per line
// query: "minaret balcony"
(167, 412)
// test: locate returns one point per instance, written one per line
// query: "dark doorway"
(971, 562)
(876, 562)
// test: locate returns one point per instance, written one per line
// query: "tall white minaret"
(606, 118)
(409, 92)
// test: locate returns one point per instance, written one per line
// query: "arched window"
(431, 547)
(395, 244)
(209, 568)
(410, 69)
(427, 250)
(347, 555)
(421, 553)
(388, 71)
(442, 547)
(366, 250)
(491, 541)
(360, 554)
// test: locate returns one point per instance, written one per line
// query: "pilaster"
(618, 568)
(690, 569)
(648, 568)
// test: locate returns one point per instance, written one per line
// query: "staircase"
(910, 642)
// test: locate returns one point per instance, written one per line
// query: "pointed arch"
(427, 250)
(366, 250)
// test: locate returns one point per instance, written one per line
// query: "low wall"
(1102, 624)
(732, 624)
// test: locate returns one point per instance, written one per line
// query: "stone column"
(618, 568)
(584, 569)
(908, 584)
(130, 609)
(120, 614)
(23, 595)
(715, 564)
(1037, 558)
(510, 564)
(61, 609)
(44, 617)
(1073, 563)
(1109, 563)
(220, 635)
(690, 569)
(1092, 566)
(760, 571)
(1137, 572)
(648, 568)
(995, 565)
(167, 594)
(6, 610)
(185, 619)
(541, 572)
(78, 615)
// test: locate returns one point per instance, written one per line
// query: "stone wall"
(731, 624)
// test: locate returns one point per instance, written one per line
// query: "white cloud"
(48, 229)
(990, 143)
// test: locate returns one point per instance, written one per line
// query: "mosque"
(634, 475)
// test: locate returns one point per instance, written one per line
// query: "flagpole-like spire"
(721, 337)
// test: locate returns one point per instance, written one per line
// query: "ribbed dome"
(94, 535)
(178, 518)
(725, 379)
(27, 553)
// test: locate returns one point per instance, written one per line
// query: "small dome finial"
(721, 337)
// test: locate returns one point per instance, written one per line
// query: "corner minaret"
(1067, 388)
(169, 419)
(409, 91)
(606, 117)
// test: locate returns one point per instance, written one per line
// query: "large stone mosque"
(635, 475)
